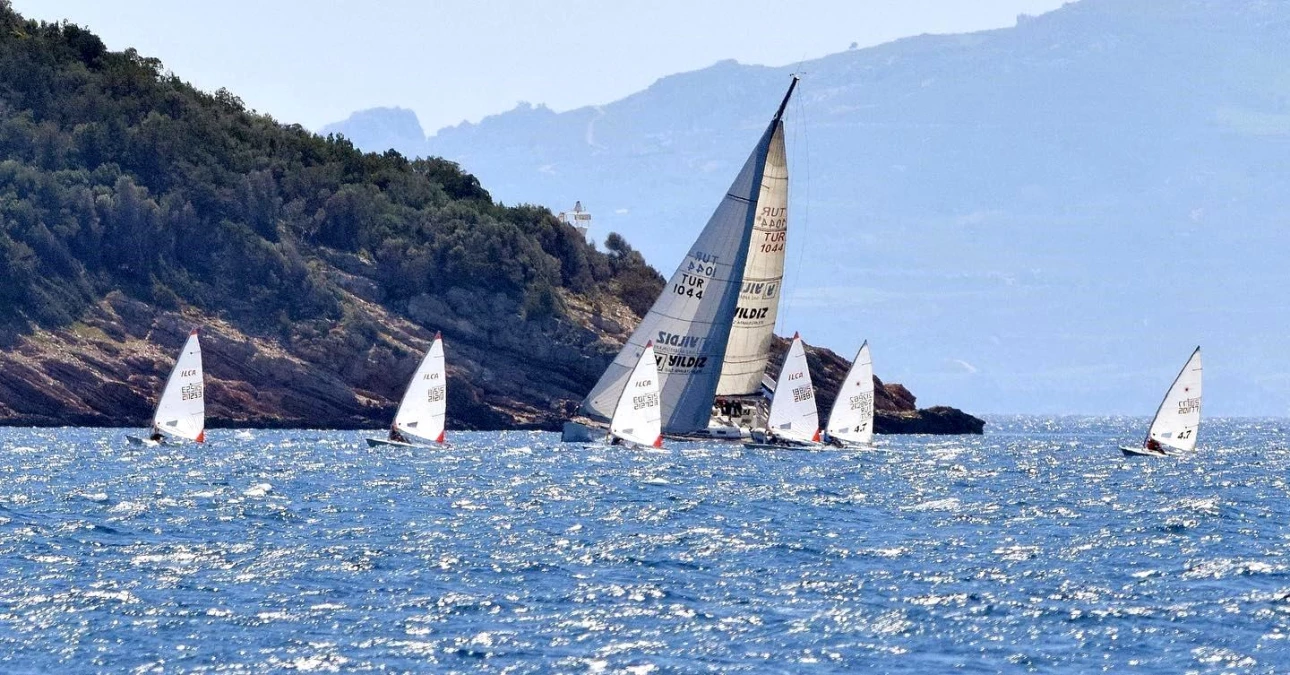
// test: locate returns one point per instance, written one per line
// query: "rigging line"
(803, 123)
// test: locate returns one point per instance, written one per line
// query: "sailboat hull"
(791, 445)
(578, 432)
(1138, 451)
(142, 442)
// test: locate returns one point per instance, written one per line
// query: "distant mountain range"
(1044, 218)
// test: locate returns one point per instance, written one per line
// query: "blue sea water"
(1036, 548)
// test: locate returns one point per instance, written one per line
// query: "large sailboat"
(1178, 418)
(793, 420)
(851, 419)
(690, 323)
(424, 408)
(181, 410)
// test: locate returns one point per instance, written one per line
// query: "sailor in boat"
(1154, 446)
(157, 436)
(398, 437)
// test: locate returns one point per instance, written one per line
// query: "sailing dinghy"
(851, 419)
(690, 323)
(1178, 418)
(638, 416)
(420, 418)
(181, 410)
(793, 421)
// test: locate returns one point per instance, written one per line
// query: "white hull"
(143, 442)
(578, 432)
(1139, 451)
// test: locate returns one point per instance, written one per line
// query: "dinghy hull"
(1138, 451)
(378, 442)
(142, 442)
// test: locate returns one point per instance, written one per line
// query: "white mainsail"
(792, 410)
(1178, 418)
(851, 419)
(424, 406)
(638, 417)
(181, 411)
(748, 349)
(690, 322)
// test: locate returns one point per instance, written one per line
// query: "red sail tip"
(441, 436)
(194, 333)
(658, 442)
(438, 335)
(649, 344)
(201, 435)
(816, 437)
(796, 335)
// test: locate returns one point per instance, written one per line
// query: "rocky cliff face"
(895, 409)
(107, 369)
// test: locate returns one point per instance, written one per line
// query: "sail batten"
(851, 418)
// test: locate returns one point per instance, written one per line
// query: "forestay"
(424, 406)
(1178, 418)
(751, 335)
(690, 322)
(792, 410)
(181, 411)
(851, 419)
(638, 417)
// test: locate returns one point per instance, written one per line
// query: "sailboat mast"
(784, 104)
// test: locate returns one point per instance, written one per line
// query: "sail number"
(1185, 434)
(190, 392)
(434, 394)
(691, 286)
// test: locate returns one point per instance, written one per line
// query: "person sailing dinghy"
(424, 408)
(638, 415)
(1178, 418)
(851, 419)
(690, 322)
(793, 421)
(181, 410)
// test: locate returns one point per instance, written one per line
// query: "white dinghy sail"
(793, 419)
(1178, 418)
(690, 322)
(181, 410)
(422, 412)
(851, 419)
(638, 417)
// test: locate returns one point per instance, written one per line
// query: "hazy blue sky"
(316, 61)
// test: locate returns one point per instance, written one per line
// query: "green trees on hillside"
(115, 174)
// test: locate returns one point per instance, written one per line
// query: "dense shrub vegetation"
(115, 174)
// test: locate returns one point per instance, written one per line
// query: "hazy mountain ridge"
(1043, 218)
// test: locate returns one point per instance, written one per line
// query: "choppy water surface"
(1034, 548)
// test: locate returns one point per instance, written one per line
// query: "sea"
(1037, 547)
